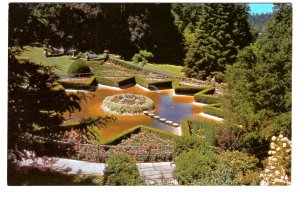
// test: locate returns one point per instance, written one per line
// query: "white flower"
(261, 175)
(284, 145)
(267, 170)
(277, 172)
(274, 159)
(280, 136)
(278, 149)
(272, 167)
(273, 138)
(284, 139)
(288, 150)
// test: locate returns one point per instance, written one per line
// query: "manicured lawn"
(166, 68)
(36, 55)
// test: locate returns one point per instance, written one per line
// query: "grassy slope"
(166, 68)
(36, 55)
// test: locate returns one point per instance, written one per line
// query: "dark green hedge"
(127, 81)
(188, 90)
(213, 111)
(167, 84)
(141, 81)
(207, 99)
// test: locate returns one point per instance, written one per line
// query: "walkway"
(154, 173)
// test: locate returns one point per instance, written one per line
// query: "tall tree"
(222, 30)
(259, 83)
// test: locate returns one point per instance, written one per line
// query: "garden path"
(154, 173)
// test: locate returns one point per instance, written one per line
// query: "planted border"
(188, 90)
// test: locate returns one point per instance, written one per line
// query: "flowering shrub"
(277, 170)
(146, 146)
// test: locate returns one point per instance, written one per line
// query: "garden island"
(149, 94)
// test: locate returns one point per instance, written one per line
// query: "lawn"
(166, 68)
(36, 55)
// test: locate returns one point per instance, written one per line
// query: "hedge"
(188, 90)
(207, 99)
(127, 81)
(107, 81)
(87, 85)
(213, 111)
(208, 90)
(167, 84)
(141, 81)
(185, 127)
(161, 133)
(79, 66)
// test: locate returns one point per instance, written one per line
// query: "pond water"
(167, 105)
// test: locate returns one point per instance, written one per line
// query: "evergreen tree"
(222, 30)
(259, 83)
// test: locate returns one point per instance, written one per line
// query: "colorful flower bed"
(146, 146)
(128, 104)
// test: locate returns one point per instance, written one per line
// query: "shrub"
(214, 111)
(186, 143)
(127, 81)
(185, 127)
(142, 57)
(121, 170)
(78, 67)
(208, 99)
(195, 167)
(167, 84)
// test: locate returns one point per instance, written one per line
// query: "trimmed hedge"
(207, 99)
(208, 90)
(188, 90)
(213, 111)
(127, 81)
(141, 81)
(106, 81)
(161, 133)
(87, 85)
(167, 84)
(185, 127)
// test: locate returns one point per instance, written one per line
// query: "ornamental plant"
(142, 57)
(79, 66)
(277, 170)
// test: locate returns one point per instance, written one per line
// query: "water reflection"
(167, 105)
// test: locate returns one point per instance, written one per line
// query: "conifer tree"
(222, 30)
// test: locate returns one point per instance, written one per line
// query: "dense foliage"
(79, 67)
(213, 40)
(259, 84)
(121, 170)
(142, 57)
(123, 28)
(259, 21)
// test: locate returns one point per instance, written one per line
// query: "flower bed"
(146, 146)
(128, 104)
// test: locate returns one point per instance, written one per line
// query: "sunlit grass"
(166, 68)
(36, 55)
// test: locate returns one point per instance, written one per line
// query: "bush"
(186, 143)
(188, 90)
(185, 127)
(207, 99)
(127, 81)
(121, 170)
(79, 67)
(195, 167)
(167, 84)
(142, 57)
(214, 111)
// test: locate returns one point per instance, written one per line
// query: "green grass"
(166, 68)
(36, 55)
